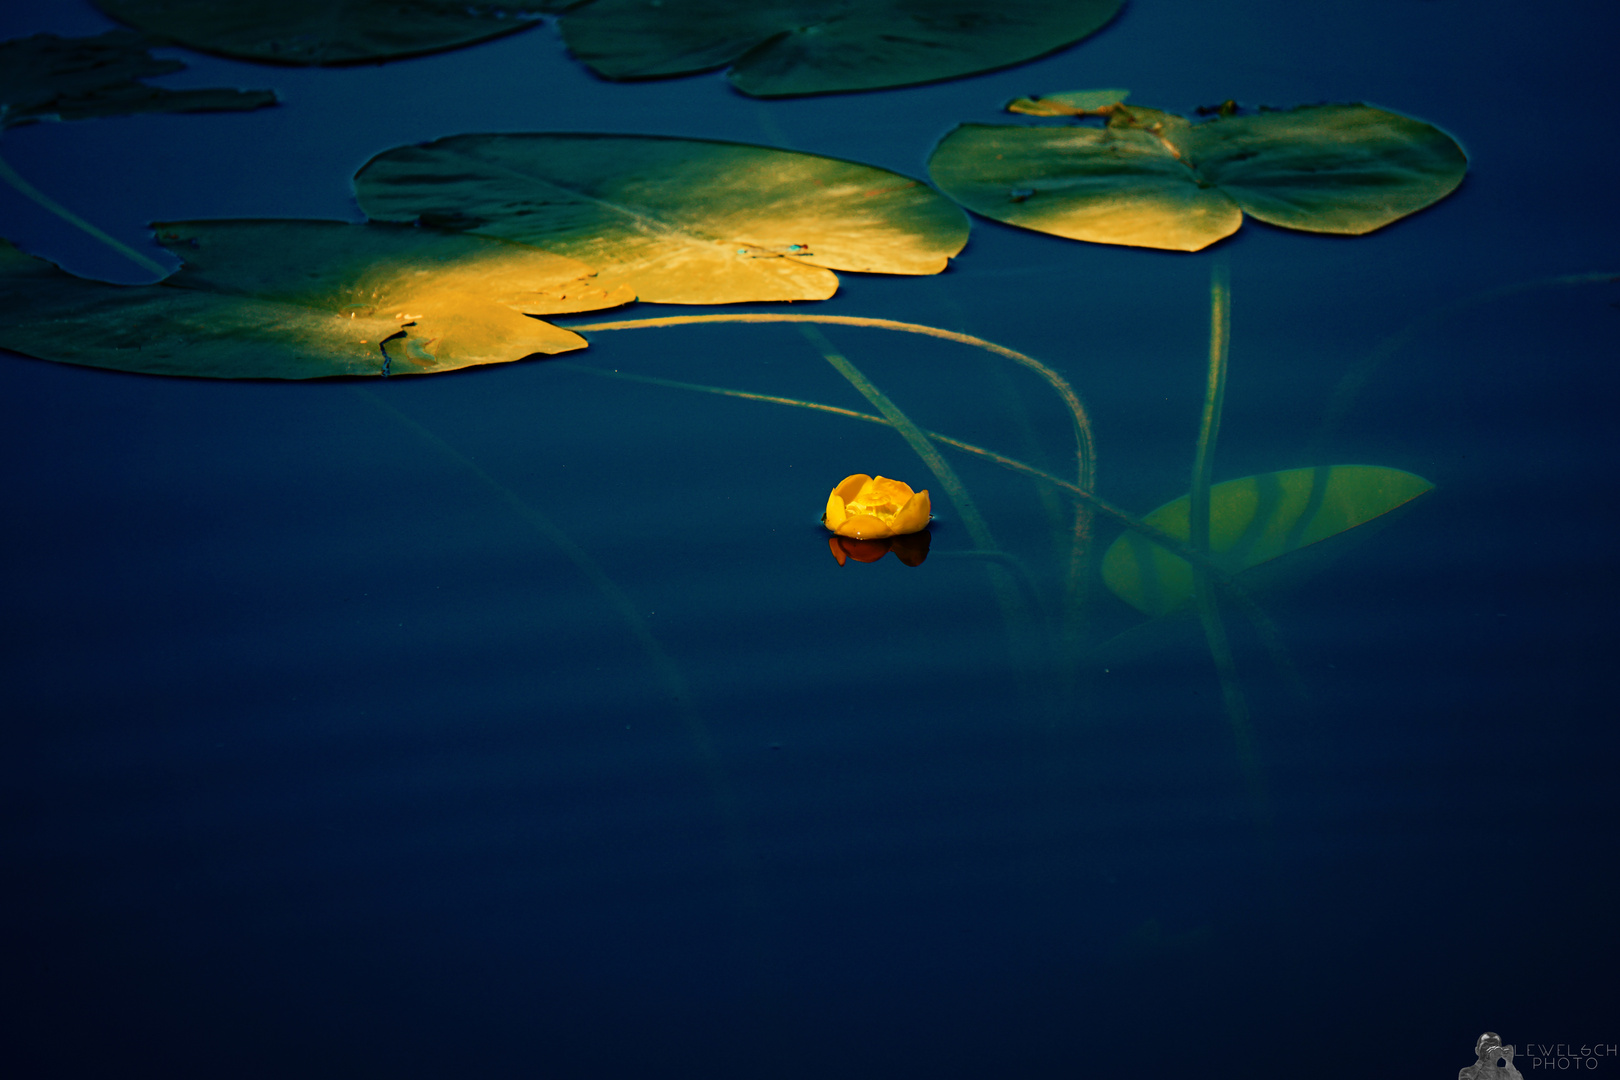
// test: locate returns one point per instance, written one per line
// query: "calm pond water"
(519, 722)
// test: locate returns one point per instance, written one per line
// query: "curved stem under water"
(1356, 379)
(1085, 446)
(668, 671)
(1013, 612)
(1229, 590)
(1076, 572)
(12, 177)
(1125, 518)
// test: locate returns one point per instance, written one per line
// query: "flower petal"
(864, 527)
(893, 491)
(850, 486)
(913, 517)
(836, 515)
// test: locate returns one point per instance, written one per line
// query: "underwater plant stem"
(1232, 696)
(1077, 571)
(1204, 587)
(1209, 424)
(1173, 544)
(12, 177)
(1013, 612)
(1228, 590)
(915, 438)
(1355, 380)
(1085, 446)
(668, 672)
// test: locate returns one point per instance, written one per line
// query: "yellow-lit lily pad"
(1154, 179)
(325, 32)
(302, 300)
(78, 78)
(1251, 521)
(777, 48)
(680, 221)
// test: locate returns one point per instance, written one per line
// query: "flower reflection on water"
(911, 549)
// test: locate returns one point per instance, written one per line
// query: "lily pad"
(302, 300)
(1154, 179)
(778, 48)
(307, 33)
(1073, 103)
(681, 221)
(1251, 521)
(78, 78)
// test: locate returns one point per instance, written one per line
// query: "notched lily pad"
(326, 32)
(778, 48)
(302, 300)
(1252, 521)
(1154, 179)
(79, 78)
(679, 221)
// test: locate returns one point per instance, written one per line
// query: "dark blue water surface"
(518, 722)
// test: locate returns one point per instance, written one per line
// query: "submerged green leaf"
(1152, 179)
(302, 300)
(79, 78)
(325, 32)
(1251, 521)
(680, 221)
(778, 48)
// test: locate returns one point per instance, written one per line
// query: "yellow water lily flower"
(869, 508)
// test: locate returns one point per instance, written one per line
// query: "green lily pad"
(681, 221)
(1153, 179)
(1251, 521)
(326, 32)
(778, 48)
(302, 300)
(79, 78)
(1073, 103)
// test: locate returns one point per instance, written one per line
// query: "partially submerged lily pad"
(78, 78)
(1251, 521)
(1154, 179)
(777, 48)
(302, 300)
(326, 32)
(680, 221)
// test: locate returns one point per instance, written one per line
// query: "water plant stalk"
(1198, 527)
(1355, 380)
(12, 177)
(1077, 571)
(1014, 613)
(664, 666)
(914, 436)
(1085, 445)
(1229, 591)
